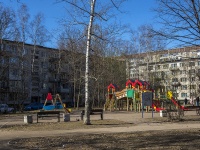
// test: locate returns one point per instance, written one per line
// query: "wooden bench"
(43, 114)
(93, 112)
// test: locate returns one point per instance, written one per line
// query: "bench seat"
(93, 112)
(48, 114)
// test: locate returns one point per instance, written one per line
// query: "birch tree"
(95, 10)
(23, 22)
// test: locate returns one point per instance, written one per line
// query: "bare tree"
(23, 23)
(6, 29)
(145, 39)
(38, 33)
(180, 20)
(71, 41)
(6, 22)
(100, 12)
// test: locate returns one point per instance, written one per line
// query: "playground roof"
(134, 82)
(130, 81)
(114, 86)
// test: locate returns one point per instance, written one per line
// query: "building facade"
(28, 73)
(177, 70)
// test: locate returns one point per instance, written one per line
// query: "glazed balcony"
(176, 84)
(174, 68)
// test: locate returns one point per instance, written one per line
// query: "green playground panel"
(130, 93)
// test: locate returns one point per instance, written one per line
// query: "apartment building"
(28, 73)
(177, 70)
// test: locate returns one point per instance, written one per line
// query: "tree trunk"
(87, 100)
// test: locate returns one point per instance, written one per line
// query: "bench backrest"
(48, 112)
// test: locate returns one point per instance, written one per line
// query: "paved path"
(7, 135)
(136, 118)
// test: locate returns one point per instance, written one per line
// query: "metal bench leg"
(58, 117)
(81, 116)
(101, 116)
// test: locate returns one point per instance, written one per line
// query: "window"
(150, 67)
(174, 88)
(182, 64)
(157, 67)
(184, 95)
(166, 66)
(174, 79)
(15, 72)
(2, 60)
(183, 87)
(13, 60)
(192, 94)
(35, 84)
(42, 64)
(191, 64)
(44, 86)
(65, 86)
(192, 79)
(43, 54)
(192, 86)
(174, 73)
(174, 65)
(183, 79)
(191, 71)
(183, 72)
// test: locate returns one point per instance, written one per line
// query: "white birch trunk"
(87, 100)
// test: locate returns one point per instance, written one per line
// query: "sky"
(138, 12)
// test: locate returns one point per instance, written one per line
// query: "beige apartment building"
(177, 70)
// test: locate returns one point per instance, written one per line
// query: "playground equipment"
(55, 104)
(184, 108)
(130, 97)
(110, 98)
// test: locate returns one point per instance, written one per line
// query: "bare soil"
(177, 139)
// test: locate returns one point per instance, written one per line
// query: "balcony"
(51, 79)
(198, 74)
(4, 88)
(53, 69)
(176, 84)
(51, 59)
(174, 68)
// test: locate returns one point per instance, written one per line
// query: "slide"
(175, 103)
(121, 94)
(156, 107)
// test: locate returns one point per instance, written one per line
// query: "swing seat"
(49, 107)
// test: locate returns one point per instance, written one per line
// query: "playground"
(138, 96)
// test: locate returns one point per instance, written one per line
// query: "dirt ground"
(118, 130)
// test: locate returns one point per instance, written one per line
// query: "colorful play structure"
(56, 103)
(131, 97)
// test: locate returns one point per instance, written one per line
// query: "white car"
(4, 108)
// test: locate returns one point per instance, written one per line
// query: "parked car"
(33, 106)
(4, 108)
